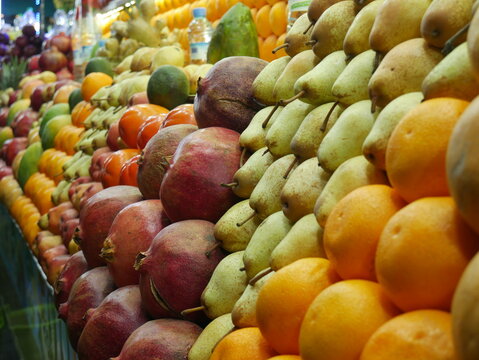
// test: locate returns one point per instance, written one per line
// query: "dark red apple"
(21, 41)
(52, 60)
(14, 96)
(12, 147)
(22, 123)
(3, 116)
(97, 162)
(36, 99)
(113, 136)
(61, 42)
(64, 74)
(30, 50)
(28, 31)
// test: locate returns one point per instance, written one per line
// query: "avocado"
(29, 163)
(168, 87)
(235, 35)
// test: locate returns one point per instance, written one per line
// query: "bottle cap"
(199, 12)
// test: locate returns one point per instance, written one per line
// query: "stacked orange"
(26, 214)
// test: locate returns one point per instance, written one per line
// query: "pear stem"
(192, 310)
(276, 49)
(290, 168)
(290, 100)
(311, 42)
(311, 24)
(373, 104)
(242, 269)
(243, 154)
(266, 121)
(377, 61)
(326, 119)
(260, 275)
(213, 248)
(230, 185)
(246, 220)
(265, 152)
(449, 45)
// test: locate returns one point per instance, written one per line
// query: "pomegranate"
(73, 269)
(52, 60)
(61, 42)
(55, 267)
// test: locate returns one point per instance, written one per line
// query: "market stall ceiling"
(13, 7)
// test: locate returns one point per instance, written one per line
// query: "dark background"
(14, 7)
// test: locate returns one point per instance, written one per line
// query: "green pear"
(317, 7)
(168, 55)
(473, 43)
(315, 86)
(278, 138)
(231, 236)
(345, 140)
(374, 146)
(297, 67)
(225, 286)
(266, 196)
(295, 200)
(356, 40)
(263, 85)
(350, 175)
(248, 176)
(331, 28)
(310, 133)
(266, 237)
(452, 77)
(252, 138)
(443, 19)
(351, 85)
(297, 37)
(396, 22)
(210, 336)
(244, 311)
(305, 239)
(402, 70)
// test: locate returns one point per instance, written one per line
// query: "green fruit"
(74, 98)
(99, 64)
(168, 87)
(235, 35)
(5, 134)
(16, 107)
(52, 128)
(29, 163)
(55, 110)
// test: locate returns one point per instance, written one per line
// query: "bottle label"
(199, 51)
(299, 5)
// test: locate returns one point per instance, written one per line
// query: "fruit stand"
(231, 180)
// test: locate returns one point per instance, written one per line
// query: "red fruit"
(14, 96)
(28, 31)
(30, 50)
(22, 41)
(149, 128)
(64, 74)
(75, 267)
(52, 60)
(55, 267)
(3, 116)
(87, 292)
(160, 339)
(138, 98)
(68, 229)
(22, 123)
(75, 183)
(51, 253)
(177, 267)
(33, 63)
(191, 188)
(5, 171)
(109, 326)
(95, 187)
(98, 161)
(113, 136)
(36, 99)
(54, 217)
(97, 216)
(225, 95)
(61, 42)
(153, 162)
(132, 231)
(12, 147)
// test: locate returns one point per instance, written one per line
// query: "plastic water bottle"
(199, 36)
(296, 8)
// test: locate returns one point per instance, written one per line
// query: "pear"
(266, 237)
(310, 133)
(345, 140)
(331, 28)
(360, 4)
(317, 7)
(142, 58)
(263, 85)
(402, 70)
(297, 66)
(297, 37)
(247, 176)
(443, 19)
(244, 311)
(351, 85)
(252, 138)
(210, 336)
(278, 138)
(225, 286)
(231, 236)
(356, 40)
(295, 200)
(374, 146)
(315, 86)
(352, 174)
(305, 239)
(266, 196)
(473, 43)
(452, 77)
(396, 22)
(168, 55)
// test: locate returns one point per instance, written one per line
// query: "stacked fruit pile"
(213, 225)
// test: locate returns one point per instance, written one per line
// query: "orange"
(285, 297)
(93, 82)
(62, 94)
(341, 319)
(246, 343)
(277, 18)
(279, 42)
(286, 357)
(80, 112)
(262, 21)
(416, 335)
(258, 4)
(353, 228)
(267, 47)
(211, 10)
(222, 7)
(254, 12)
(465, 317)
(423, 250)
(416, 151)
